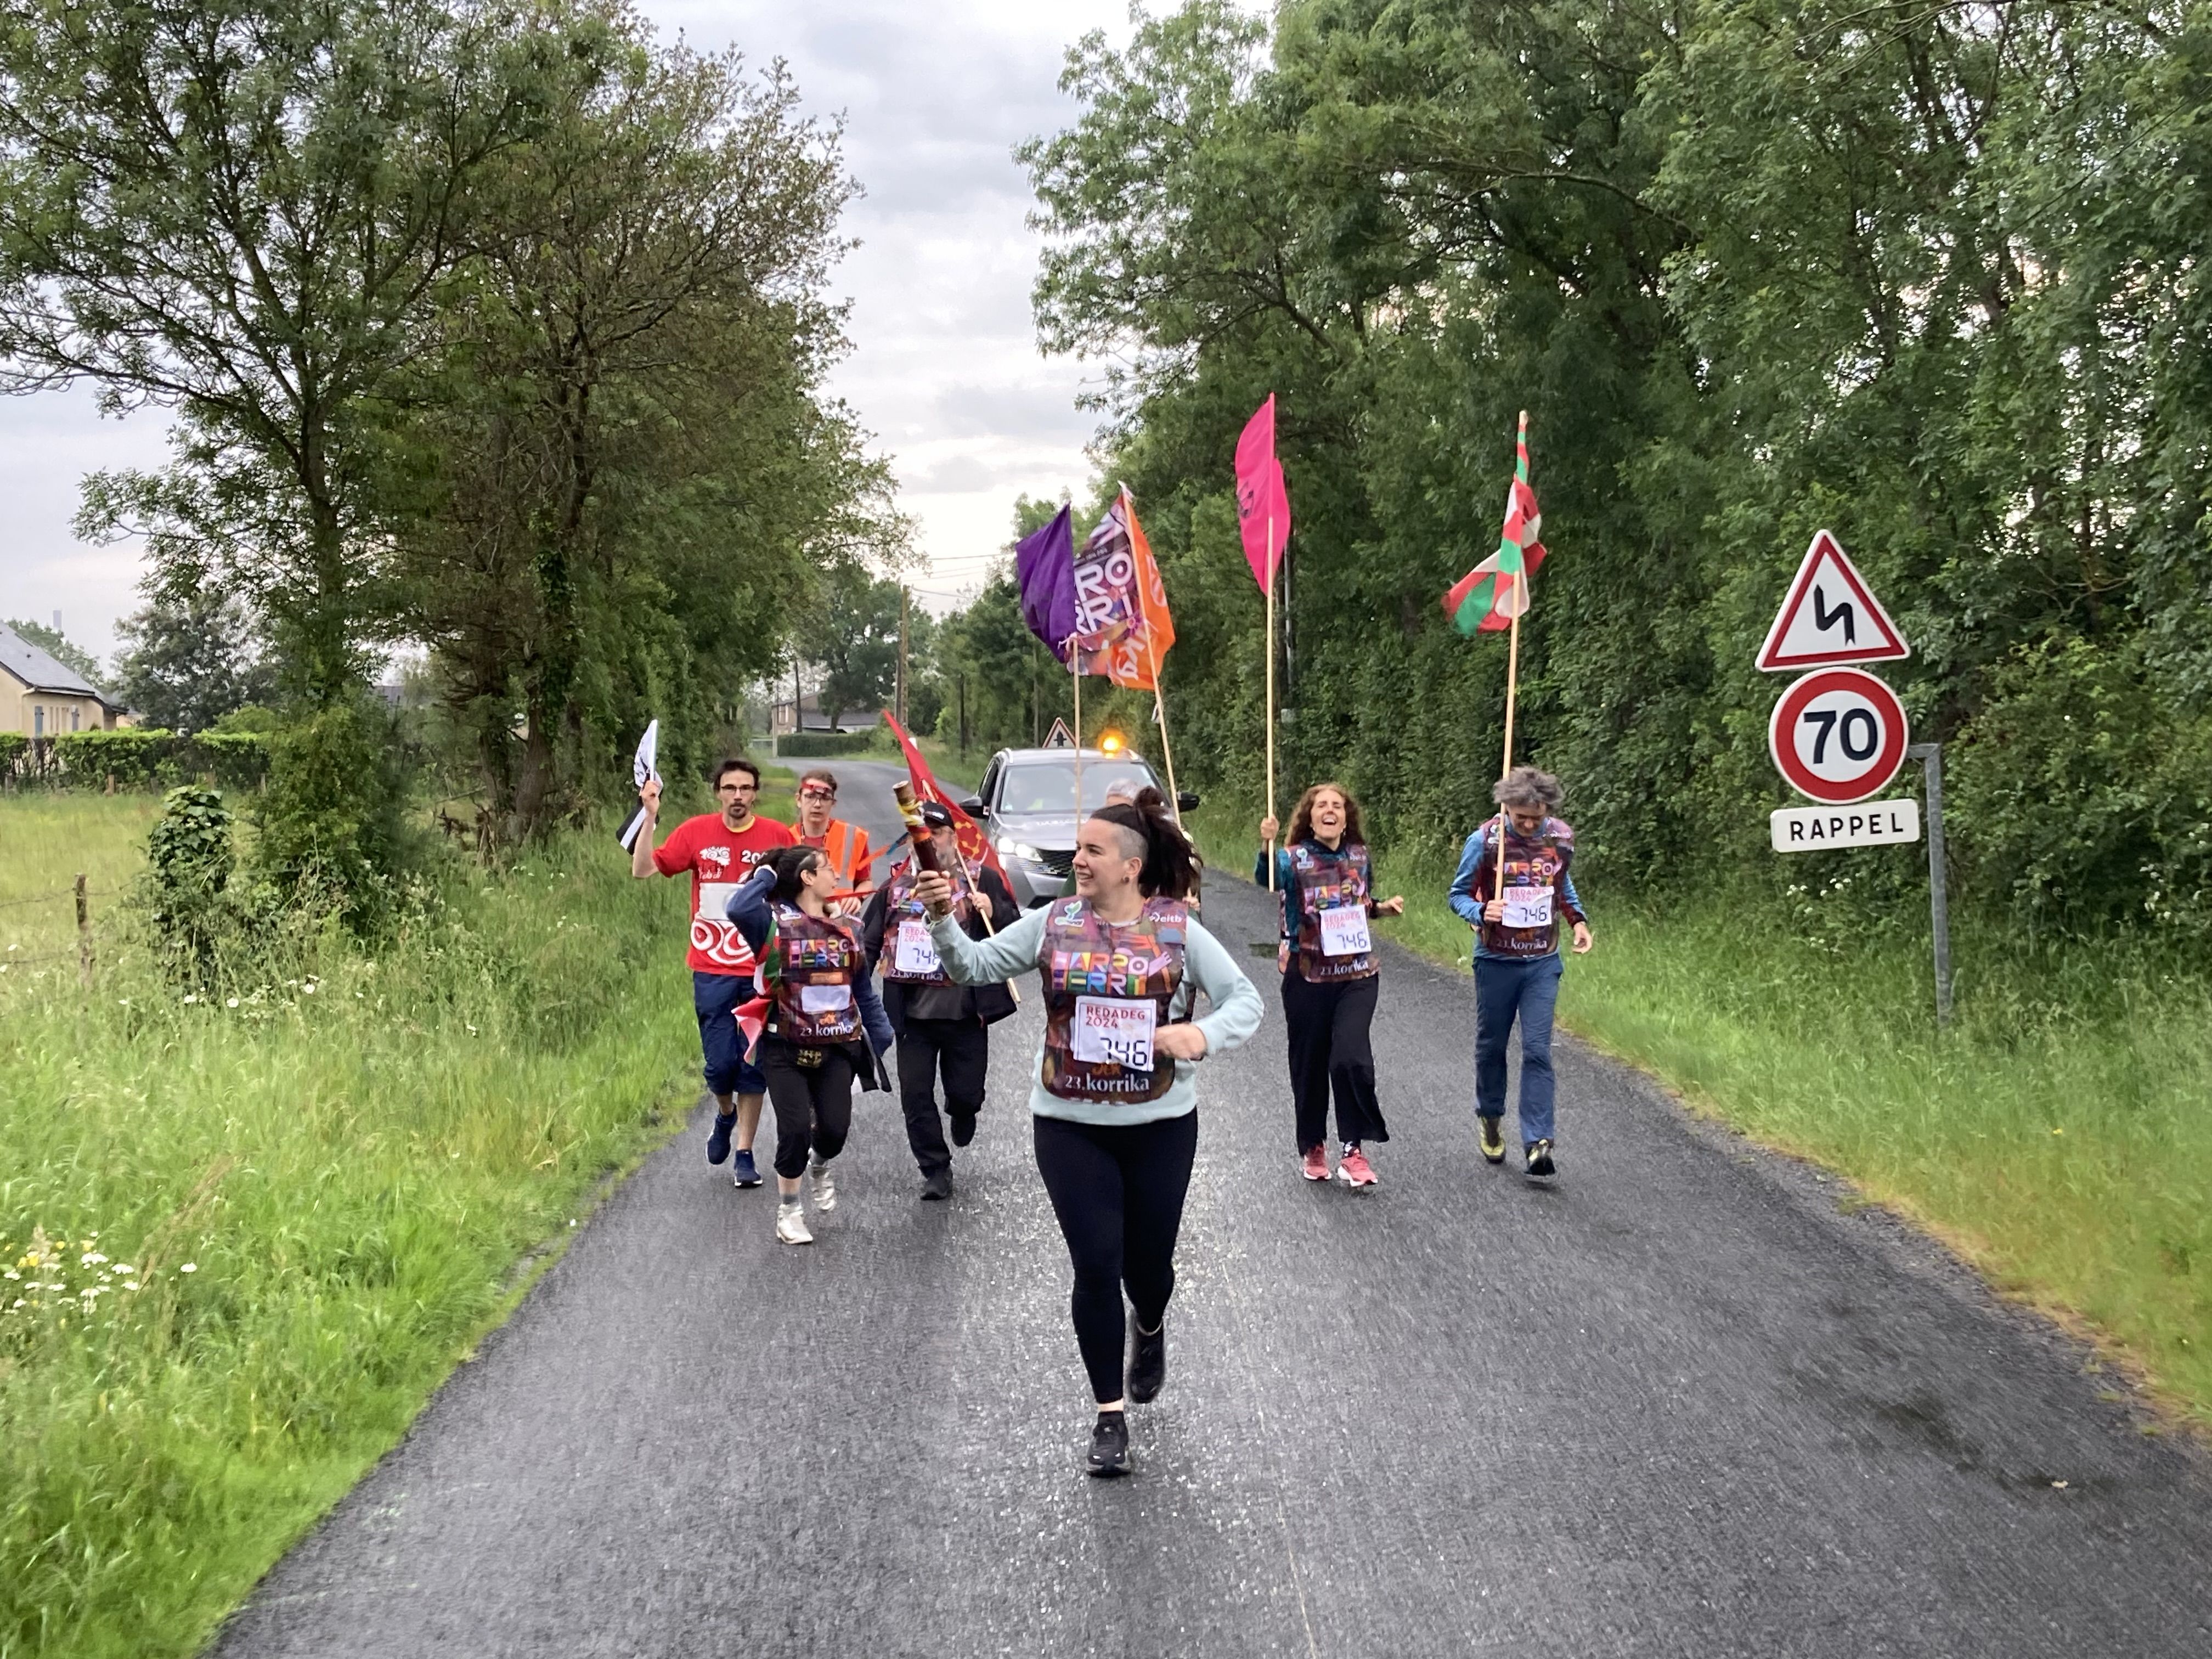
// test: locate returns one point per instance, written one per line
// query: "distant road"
(1682, 1404)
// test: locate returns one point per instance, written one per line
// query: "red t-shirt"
(720, 859)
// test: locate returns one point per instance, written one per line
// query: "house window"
(39, 720)
(76, 715)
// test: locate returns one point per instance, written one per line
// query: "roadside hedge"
(823, 745)
(136, 758)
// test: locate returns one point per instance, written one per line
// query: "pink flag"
(1263, 510)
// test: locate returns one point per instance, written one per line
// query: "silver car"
(1026, 805)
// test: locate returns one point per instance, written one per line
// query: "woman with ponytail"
(825, 1027)
(1115, 1106)
(1329, 977)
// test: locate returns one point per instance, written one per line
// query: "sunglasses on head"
(818, 794)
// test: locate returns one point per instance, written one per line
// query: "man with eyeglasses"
(845, 845)
(720, 850)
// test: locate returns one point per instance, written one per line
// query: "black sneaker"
(1539, 1153)
(964, 1127)
(1493, 1139)
(937, 1183)
(718, 1143)
(1109, 1445)
(1148, 1360)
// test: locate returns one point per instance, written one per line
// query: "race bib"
(1344, 930)
(1110, 1031)
(915, 953)
(715, 900)
(825, 998)
(1527, 906)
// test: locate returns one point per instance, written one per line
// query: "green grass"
(2059, 1136)
(46, 842)
(322, 1194)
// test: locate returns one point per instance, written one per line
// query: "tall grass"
(277, 1216)
(2059, 1134)
(46, 841)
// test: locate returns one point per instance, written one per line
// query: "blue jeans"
(715, 999)
(1503, 990)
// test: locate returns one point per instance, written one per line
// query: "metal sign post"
(1930, 757)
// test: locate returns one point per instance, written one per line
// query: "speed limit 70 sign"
(1838, 735)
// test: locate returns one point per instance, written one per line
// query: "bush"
(331, 814)
(824, 745)
(189, 860)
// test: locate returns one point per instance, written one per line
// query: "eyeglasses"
(818, 794)
(738, 789)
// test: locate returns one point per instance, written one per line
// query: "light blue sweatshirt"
(1207, 967)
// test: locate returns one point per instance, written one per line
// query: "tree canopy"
(1926, 276)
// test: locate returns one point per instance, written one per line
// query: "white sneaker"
(825, 1186)
(790, 1225)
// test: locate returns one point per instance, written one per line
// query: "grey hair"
(1524, 785)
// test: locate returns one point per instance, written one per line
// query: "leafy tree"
(627, 478)
(184, 665)
(856, 641)
(58, 646)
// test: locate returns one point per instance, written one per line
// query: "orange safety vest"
(840, 844)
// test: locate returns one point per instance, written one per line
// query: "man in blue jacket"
(1516, 952)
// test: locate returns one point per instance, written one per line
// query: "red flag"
(975, 845)
(1123, 625)
(1263, 508)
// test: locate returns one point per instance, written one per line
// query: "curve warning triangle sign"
(1831, 616)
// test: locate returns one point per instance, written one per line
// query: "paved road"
(1680, 1405)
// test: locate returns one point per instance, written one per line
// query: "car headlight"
(1011, 849)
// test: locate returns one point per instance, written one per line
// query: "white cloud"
(945, 371)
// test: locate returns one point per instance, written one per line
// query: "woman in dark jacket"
(824, 1026)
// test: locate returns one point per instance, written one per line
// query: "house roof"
(40, 671)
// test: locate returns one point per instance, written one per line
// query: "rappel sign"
(1829, 617)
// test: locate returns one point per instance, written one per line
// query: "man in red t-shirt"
(719, 850)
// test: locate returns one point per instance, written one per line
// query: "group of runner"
(788, 930)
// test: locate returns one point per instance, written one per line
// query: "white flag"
(644, 768)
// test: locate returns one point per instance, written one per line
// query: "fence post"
(1930, 757)
(84, 936)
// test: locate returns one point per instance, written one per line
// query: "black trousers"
(1118, 1191)
(960, 1049)
(813, 1104)
(1330, 1051)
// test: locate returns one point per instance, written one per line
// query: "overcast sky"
(944, 374)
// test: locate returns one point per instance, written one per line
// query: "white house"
(40, 698)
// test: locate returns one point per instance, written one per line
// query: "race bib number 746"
(1527, 906)
(1109, 1031)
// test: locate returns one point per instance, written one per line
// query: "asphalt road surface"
(1681, 1403)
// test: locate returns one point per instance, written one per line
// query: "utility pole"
(902, 665)
(964, 714)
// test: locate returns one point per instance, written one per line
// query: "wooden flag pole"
(1512, 680)
(1271, 692)
(1075, 668)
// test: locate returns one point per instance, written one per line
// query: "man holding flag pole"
(1513, 880)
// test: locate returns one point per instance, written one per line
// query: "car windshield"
(1049, 786)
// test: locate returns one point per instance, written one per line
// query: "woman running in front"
(824, 1025)
(1116, 1102)
(1329, 977)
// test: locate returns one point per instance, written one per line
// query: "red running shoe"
(1314, 1166)
(1355, 1169)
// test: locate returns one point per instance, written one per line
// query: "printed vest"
(814, 953)
(1134, 961)
(900, 905)
(1322, 880)
(1540, 861)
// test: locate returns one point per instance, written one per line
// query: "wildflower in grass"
(230, 1002)
(190, 1267)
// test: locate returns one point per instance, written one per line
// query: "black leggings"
(1329, 1024)
(1118, 1191)
(813, 1104)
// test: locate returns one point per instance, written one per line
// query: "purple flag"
(1044, 566)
